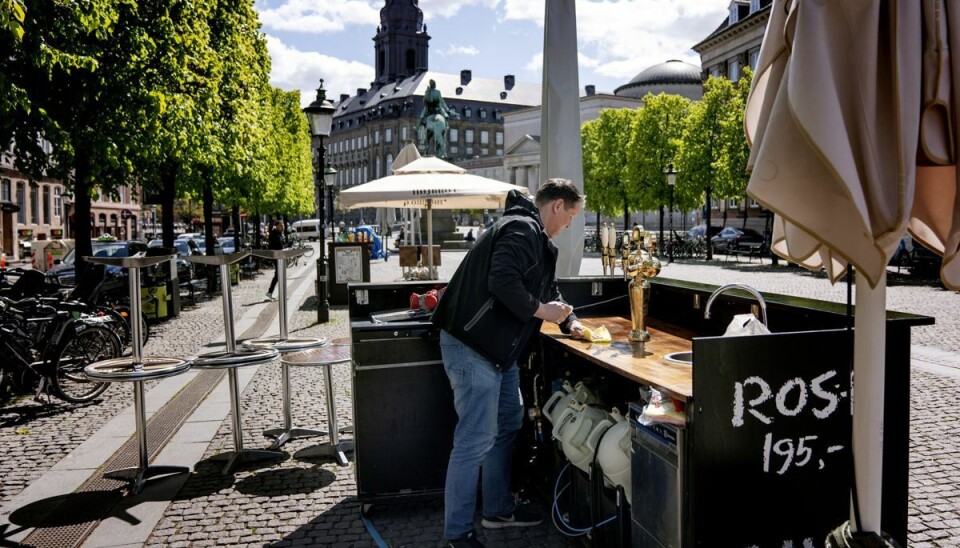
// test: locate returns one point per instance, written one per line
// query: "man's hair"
(558, 189)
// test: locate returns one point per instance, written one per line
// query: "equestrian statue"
(432, 127)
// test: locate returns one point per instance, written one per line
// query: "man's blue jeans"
(490, 411)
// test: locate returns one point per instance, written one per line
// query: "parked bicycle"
(48, 347)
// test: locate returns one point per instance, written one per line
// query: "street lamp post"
(329, 180)
(320, 116)
(671, 182)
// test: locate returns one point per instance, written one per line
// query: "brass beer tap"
(640, 263)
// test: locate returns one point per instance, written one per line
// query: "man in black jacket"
(501, 293)
(275, 241)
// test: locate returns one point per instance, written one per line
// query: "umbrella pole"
(430, 238)
(869, 368)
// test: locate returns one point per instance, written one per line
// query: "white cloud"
(623, 37)
(319, 16)
(294, 69)
(449, 8)
(453, 49)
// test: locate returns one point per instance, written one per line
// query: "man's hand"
(576, 329)
(553, 311)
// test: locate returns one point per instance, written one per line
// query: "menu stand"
(285, 345)
(230, 359)
(136, 369)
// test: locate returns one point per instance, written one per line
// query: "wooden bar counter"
(640, 362)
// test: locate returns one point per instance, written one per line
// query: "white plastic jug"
(613, 456)
(579, 429)
(561, 399)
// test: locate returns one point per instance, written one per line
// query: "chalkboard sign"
(771, 439)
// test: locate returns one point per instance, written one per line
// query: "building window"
(57, 201)
(454, 135)
(403, 133)
(454, 149)
(754, 5)
(376, 171)
(468, 135)
(483, 113)
(484, 137)
(376, 137)
(499, 152)
(388, 135)
(469, 151)
(34, 203)
(733, 69)
(467, 112)
(499, 138)
(484, 151)
(366, 174)
(46, 204)
(753, 204)
(5, 190)
(716, 72)
(389, 161)
(733, 203)
(734, 12)
(22, 202)
(754, 56)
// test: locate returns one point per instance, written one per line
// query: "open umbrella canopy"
(429, 182)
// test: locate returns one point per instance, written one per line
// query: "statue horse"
(433, 135)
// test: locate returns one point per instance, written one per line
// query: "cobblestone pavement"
(312, 502)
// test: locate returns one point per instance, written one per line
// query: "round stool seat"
(225, 359)
(126, 370)
(325, 355)
(291, 344)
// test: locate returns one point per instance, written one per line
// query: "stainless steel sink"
(685, 358)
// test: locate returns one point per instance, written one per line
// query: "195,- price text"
(754, 399)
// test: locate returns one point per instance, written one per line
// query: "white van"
(307, 229)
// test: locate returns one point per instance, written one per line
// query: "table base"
(338, 451)
(138, 476)
(283, 435)
(245, 456)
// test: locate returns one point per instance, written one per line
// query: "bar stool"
(325, 356)
(136, 369)
(230, 359)
(285, 345)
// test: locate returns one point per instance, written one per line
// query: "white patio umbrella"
(848, 98)
(430, 183)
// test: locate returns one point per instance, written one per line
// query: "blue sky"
(332, 39)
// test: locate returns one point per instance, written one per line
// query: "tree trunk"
(661, 241)
(707, 231)
(626, 216)
(235, 213)
(81, 213)
(208, 234)
(256, 230)
(746, 210)
(169, 182)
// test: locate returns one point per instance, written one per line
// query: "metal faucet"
(748, 289)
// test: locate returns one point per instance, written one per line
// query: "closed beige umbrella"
(852, 119)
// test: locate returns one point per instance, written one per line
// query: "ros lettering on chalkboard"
(794, 390)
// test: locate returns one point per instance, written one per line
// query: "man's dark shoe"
(467, 541)
(523, 516)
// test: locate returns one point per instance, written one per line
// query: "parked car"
(189, 236)
(184, 268)
(227, 244)
(64, 273)
(731, 237)
(700, 231)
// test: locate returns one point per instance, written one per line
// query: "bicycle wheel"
(309, 252)
(93, 344)
(124, 313)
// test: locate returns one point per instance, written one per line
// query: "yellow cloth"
(598, 335)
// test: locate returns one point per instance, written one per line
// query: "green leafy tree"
(735, 150)
(699, 160)
(605, 158)
(654, 140)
